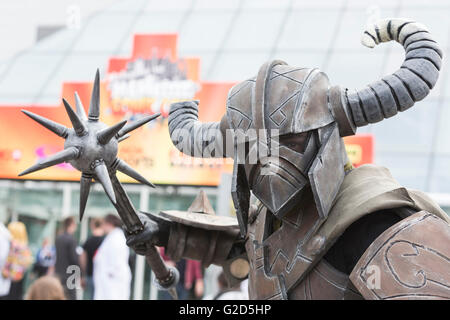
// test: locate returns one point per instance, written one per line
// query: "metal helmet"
(308, 117)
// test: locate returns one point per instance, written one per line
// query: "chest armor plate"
(285, 263)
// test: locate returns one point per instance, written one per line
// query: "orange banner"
(143, 84)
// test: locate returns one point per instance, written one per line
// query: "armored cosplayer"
(310, 226)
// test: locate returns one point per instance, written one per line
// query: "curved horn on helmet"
(396, 92)
(192, 137)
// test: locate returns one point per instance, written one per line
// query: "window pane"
(220, 5)
(309, 29)
(126, 6)
(255, 30)
(172, 5)
(207, 35)
(322, 4)
(28, 73)
(354, 69)
(300, 58)
(352, 25)
(157, 22)
(443, 136)
(109, 28)
(440, 177)
(40, 204)
(374, 3)
(408, 169)
(410, 131)
(266, 4)
(436, 20)
(58, 42)
(237, 66)
(76, 67)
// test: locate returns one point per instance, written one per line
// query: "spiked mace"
(91, 147)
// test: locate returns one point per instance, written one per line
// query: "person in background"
(112, 274)
(67, 256)
(46, 288)
(5, 238)
(193, 279)
(89, 250)
(45, 259)
(18, 261)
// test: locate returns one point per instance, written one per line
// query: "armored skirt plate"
(201, 220)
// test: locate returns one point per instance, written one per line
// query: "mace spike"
(125, 168)
(57, 158)
(102, 176)
(105, 135)
(53, 126)
(94, 106)
(85, 186)
(136, 124)
(79, 107)
(78, 125)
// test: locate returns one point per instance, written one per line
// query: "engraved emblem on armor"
(413, 259)
(413, 255)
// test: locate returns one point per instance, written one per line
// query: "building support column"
(139, 271)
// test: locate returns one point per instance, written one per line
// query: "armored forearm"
(220, 247)
(208, 246)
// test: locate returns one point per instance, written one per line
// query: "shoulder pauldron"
(410, 260)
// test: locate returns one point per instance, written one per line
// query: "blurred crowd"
(101, 266)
